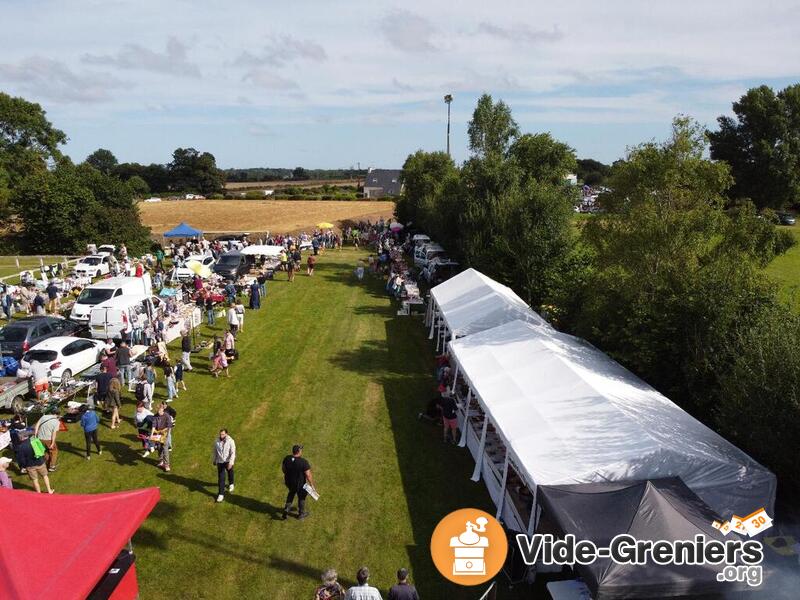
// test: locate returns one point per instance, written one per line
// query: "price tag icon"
(757, 522)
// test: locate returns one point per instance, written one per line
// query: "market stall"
(471, 302)
(660, 509)
(88, 550)
(183, 231)
(541, 407)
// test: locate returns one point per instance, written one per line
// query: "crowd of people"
(331, 589)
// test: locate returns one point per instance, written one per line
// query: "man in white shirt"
(233, 319)
(363, 591)
(223, 456)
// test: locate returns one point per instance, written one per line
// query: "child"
(179, 383)
(5, 480)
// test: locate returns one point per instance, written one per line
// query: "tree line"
(296, 174)
(58, 206)
(668, 279)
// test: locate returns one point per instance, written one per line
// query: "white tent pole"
(439, 337)
(503, 488)
(434, 317)
(463, 441)
(532, 520)
(455, 379)
(476, 474)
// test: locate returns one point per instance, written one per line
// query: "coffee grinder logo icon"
(469, 549)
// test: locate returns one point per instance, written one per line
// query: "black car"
(232, 264)
(786, 219)
(19, 336)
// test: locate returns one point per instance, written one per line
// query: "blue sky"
(335, 84)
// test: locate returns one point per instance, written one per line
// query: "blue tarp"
(183, 231)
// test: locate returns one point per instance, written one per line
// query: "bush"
(216, 196)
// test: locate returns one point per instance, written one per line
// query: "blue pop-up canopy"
(183, 231)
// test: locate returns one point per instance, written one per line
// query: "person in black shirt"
(296, 473)
(186, 350)
(403, 590)
(449, 408)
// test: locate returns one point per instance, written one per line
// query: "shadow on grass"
(302, 570)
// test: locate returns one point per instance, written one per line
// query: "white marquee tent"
(567, 413)
(471, 302)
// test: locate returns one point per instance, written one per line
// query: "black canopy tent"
(660, 509)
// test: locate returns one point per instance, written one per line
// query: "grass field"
(8, 265)
(785, 270)
(277, 216)
(325, 362)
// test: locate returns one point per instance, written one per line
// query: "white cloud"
(53, 80)
(521, 33)
(408, 32)
(173, 61)
(283, 49)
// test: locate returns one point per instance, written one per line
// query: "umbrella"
(199, 269)
(396, 226)
(325, 225)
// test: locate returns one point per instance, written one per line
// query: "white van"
(119, 316)
(426, 253)
(106, 289)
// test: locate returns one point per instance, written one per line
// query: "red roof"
(61, 545)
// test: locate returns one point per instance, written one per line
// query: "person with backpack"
(144, 391)
(90, 422)
(30, 457)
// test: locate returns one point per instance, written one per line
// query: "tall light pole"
(447, 100)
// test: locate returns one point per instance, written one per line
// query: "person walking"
(296, 473)
(169, 376)
(290, 267)
(449, 408)
(363, 591)
(38, 304)
(402, 590)
(186, 350)
(46, 430)
(113, 401)
(233, 319)
(255, 296)
(162, 423)
(180, 384)
(90, 422)
(52, 298)
(223, 455)
(103, 382)
(330, 588)
(240, 313)
(124, 362)
(311, 263)
(209, 309)
(32, 464)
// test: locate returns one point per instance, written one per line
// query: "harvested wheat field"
(277, 216)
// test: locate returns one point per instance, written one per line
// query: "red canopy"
(60, 545)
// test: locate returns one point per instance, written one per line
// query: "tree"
(762, 146)
(672, 274)
(492, 127)
(542, 158)
(138, 186)
(299, 174)
(27, 139)
(191, 170)
(592, 172)
(103, 160)
(423, 176)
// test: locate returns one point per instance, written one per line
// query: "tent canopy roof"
(471, 302)
(84, 539)
(661, 509)
(183, 231)
(570, 414)
(262, 250)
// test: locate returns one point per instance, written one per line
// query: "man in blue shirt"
(90, 422)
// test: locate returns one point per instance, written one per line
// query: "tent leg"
(503, 488)
(476, 474)
(455, 379)
(463, 441)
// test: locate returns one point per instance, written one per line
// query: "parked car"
(232, 264)
(94, 265)
(107, 249)
(120, 316)
(65, 356)
(786, 219)
(439, 269)
(185, 273)
(19, 336)
(426, 253)
(107, 289)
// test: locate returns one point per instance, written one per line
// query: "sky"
(338, 84)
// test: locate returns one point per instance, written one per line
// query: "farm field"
(328, 363)
(278, 216)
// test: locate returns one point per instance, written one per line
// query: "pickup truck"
(13, 392)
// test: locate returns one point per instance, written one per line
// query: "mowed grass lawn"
(785, 270)
(327, 363)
